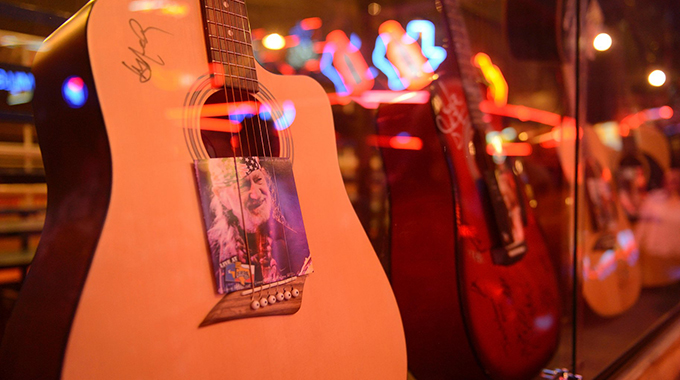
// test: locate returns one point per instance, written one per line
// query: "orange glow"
(336, 99)
(312, 65)
(521, 113)
(666, 112)
(635, 120)
(311, 23)
(374, 98)
(511, 149)
(217, 71)
(167, 7)
(565, 132)
(406, 142)
(498, 86)
(292, 41)
(258, 33)
(395, 142)
(548, 144)
(226, 109)
(220, 125)
(286, 69)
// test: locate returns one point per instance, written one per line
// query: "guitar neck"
(228, 43)
(462, 53)
(506, 214)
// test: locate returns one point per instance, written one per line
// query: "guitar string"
(220, 25)
(248, 75)
(242, 84)
(271, 154)
(267, 147)
(233, 74)
(255, 121)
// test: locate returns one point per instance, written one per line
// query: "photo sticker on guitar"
(253, 221)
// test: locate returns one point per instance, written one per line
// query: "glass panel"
(470, 213)
(629, 259)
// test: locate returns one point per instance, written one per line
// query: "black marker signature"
(142, 65)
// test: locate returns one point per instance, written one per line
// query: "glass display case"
(515, 165)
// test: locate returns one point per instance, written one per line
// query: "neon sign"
(407, 57)
(343, 64)
(497, 90)
(398, 55)
(425, 29)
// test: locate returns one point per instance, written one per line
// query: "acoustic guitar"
(470, 268)
(611, 269)
(152, 121)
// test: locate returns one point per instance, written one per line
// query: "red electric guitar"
(152, 120)
(470, 269)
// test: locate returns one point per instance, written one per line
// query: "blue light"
(265, 112)
(288, 116)
(394, 82)
(74, 92)
(354, 42)
(16, 82)
(425, 29)
(327, 69)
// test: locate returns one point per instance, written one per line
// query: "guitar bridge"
(257, 302)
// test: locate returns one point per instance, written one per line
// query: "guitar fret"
(226, 76)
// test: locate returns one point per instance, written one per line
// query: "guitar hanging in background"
(179, 175)
(611, 268)
(487, 301)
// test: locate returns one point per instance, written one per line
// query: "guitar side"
(150, 284)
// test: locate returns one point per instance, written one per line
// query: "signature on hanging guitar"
(197, 223)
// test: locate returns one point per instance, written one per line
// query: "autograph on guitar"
(179, 176)
(488, 304)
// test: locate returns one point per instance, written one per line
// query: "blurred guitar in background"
(470, 269)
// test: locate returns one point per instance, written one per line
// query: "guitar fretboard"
(462, 54)
(228, 42)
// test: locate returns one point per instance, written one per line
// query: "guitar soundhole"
(235, 124)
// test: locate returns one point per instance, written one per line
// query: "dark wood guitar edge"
(78, 170)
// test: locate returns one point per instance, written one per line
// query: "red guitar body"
(464, 316)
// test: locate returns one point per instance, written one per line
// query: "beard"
(256, 216)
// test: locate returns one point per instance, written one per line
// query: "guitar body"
(463, 314)
(124, 228)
